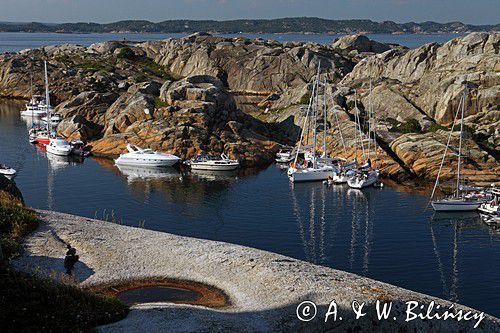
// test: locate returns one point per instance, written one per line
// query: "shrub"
(126, 53)
(305, 98)
(15, 222)
(410, 126)
(436, 127)
(33, 304)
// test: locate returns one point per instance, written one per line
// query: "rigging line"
(304, 126)
(338, 126)
(444, 154)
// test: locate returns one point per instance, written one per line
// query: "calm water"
(16, 41)
(380, 233)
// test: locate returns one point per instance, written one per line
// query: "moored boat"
(138, 156)
(223, 163)
(7, 171)
(59, 146)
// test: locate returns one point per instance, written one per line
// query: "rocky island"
(244, 97)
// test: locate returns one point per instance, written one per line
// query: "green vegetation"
(15, 222)
(34, 304)
(159, 103)
(436, 127)
(93, 66)
(126, 53)
(153, 68)
(305, 98)
(410, 126)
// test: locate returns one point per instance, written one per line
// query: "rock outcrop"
(196, 116)
(9, 192)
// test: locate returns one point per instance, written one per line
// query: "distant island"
(282, 25)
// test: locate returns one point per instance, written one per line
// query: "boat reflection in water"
(135, 173)
(214, 175)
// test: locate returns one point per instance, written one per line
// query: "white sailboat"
(366, 175)
(458, 201)
(314, 168)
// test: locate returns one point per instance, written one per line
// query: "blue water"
(16, 41)
(385, 234)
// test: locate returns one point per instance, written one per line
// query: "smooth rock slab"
(264, 288)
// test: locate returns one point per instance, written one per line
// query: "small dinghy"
(7, 171)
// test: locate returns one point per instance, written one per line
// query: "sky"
(105, 11)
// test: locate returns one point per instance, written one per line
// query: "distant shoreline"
(297, 25)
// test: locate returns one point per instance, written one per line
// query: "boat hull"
(356, 182)
(58, 152)
(212, 167)
(455, 206)
(145, 163)
(310, 176)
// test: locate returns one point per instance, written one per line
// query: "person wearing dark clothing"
(70, 260)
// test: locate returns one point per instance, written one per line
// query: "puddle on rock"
(158, 294)
(164, 290)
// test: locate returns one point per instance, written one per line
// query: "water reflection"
(134, 173)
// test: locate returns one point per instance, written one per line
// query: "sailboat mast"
(464, 98)
(47, 99)
(316, 116)
(370, 120)
(355, 124)
(324, 119)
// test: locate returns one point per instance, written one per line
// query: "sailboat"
(314, 168)
(458, 201)
(366, 175)
(55, 144)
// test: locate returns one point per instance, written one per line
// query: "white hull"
(357, 182)
(455, 206)
(58, 151)
(28, 113)
(310, 175)
(214, 167)
(145, 162)
(489, 209)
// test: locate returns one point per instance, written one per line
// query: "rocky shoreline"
(195, 88)
(264, 288)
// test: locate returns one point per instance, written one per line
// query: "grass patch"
(159, 103)
(305, 98)
(436, 127)
(15, 222)
(126, 53)
(153, 68)
(33, 304)
(410, 126)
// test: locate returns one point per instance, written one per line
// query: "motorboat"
(459, 201)
(78, 148)
(363, 178)
(7, 171)
(312, 174)
(39, 135)
(55, 119)
(59, 146)
(284, 156)
(344, 172)
(146, 157)
(36, 107)
(492, 207)
(222, 163)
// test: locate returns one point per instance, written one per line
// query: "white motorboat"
(36, 107)
(7, 171)
(214, 164)
(342, 176)
(54, 119)
(59, 146)
(138, 156)
(459, 201)
(284, 156)
(492, 207)
(363, 178)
